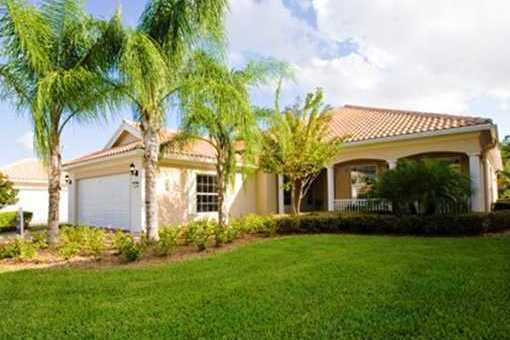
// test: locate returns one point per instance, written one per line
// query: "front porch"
(343, 185)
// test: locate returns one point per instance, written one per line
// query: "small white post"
(21, 223)
(331, 188)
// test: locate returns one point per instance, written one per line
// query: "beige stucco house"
(106, 187)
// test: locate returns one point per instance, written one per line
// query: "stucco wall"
(176, 188)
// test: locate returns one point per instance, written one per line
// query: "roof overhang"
(454, 131)
(129, 154)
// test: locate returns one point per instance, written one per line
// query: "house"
(30, 177)
(107, 186)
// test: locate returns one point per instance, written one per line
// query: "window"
(361, 175)
(207, 194)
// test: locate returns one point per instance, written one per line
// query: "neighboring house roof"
(26, 170)
(359, 123)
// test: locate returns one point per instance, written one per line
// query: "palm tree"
(151, 63)
(55, 58)
(216, 109)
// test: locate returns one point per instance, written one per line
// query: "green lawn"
(298, 287)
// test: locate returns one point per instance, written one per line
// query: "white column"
(477, 200)
(331, 188)
(281, 201)
(392, 163)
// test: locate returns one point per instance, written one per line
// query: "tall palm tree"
(151, 63)
(55, 59)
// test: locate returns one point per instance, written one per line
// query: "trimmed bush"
(255, 224)
(465, 224)
(200, 233)
(501, 205)
(81, 240)
(9, 220)
(18, 248)
(168, 240)
(127, 247)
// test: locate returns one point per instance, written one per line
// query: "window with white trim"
(207, 193)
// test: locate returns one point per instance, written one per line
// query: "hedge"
(501, 205)
(465, 224)
(8, 220)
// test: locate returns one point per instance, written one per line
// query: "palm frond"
(178, 25)
(25, 35)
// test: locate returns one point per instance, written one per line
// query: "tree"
(216, 109)
(422, 186)
(151, 63)
(8, 195)
(55, 57)
(504, 175)
(298, 144)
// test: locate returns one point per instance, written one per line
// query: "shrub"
(423, 187)
(18, 248)
(501, 205)
(465, 224)
(9, 220)
(255, 224)
(168, 240)
(40, 239)
(127, 247)
(81, 240)
(199, 233)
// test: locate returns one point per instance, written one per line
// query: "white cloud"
(437, 55)
(26, 141)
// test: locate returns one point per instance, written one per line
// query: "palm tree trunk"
(151, 156)
(55, 163)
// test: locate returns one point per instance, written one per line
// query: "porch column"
(392, 163)
(475, 173)
(331, 188)
(281, 202)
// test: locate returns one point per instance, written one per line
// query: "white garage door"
(104, 201)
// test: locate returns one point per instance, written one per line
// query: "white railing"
(362, 205)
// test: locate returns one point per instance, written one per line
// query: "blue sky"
(433, 56)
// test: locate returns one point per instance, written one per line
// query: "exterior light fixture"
(68, 180)
(133, 170)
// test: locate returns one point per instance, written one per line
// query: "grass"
(323, 286)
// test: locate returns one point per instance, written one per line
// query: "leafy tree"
(55, 57)
(151, 63)
(504, 175)
(298, 144)
(216, 109)
(422, 186)
(8, 195)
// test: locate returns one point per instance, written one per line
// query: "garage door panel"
(104, 201)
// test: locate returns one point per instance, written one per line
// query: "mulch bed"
(50, 259)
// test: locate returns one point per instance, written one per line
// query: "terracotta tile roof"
(358, 123)
(26, 170)
(198, 150)
(117, 150)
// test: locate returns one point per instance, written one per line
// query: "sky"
(446, 56)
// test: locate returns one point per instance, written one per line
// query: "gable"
(125, 138)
